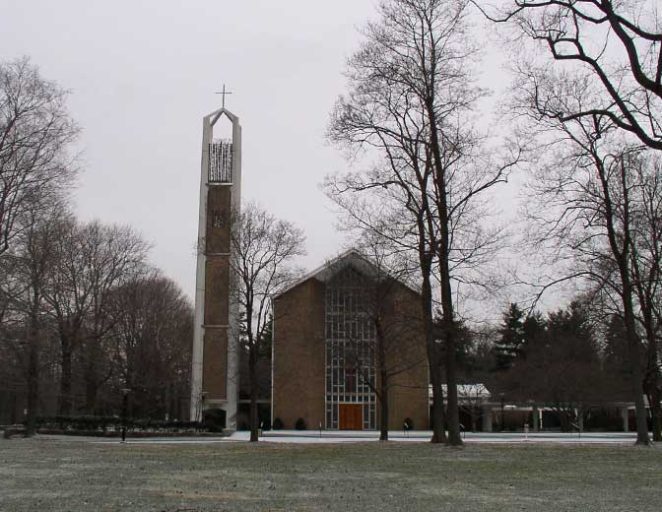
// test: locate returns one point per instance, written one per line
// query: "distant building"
(325, 366)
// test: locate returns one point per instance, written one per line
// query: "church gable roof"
(351, 258)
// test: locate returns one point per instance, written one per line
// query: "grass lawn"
(43, 475)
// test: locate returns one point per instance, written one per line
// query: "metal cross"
(224, 94)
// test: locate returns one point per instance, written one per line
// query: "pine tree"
(615, 354)
(512, 338)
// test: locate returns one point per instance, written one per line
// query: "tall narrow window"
(350, 341)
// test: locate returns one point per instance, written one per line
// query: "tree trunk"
(168, 413)
(651, 380)
(657, 414)
(382, 395)
(65, 378)
(383, 403)
(33, 382)
(438, 427)
(637, 386)
(653, 386)
(434, 364)
(91, 392)
(622, 257)
(635, 365)
(453, 415)
(91, 381)
(453, 412)
(252, 373)
(653, 393)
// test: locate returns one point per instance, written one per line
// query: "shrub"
(101, 424)
(278, 424)
(214, 420)
(300, 424)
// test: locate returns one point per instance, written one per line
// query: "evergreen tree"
(534, 331)
(512, 338)
(615, 357)
(563, 368)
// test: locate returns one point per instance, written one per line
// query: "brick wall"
(298, 364)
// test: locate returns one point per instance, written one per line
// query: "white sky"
(142, 75)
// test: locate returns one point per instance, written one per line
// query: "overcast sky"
(143, 74)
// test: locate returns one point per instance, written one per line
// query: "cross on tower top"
(223, 93)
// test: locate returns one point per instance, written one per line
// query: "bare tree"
(388, 314)
(114, 254)
(587, 191)
(615, 46)
(151, 330)
(410, 102)
(262, 248)
(35, 130)
(472, 397)
(604, 75)
(91, 260)
(646, 268)
(25, 328)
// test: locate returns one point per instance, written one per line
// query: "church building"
(336, 332)
(343, 336)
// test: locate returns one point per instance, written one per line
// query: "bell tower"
(215, 361)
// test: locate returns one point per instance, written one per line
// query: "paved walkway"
(330, 436)
(424, 436)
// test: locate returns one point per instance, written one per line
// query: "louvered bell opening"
(220, 161)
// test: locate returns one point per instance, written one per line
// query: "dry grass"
(49, 475)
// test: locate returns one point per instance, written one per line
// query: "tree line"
(572, 360)
(83, 315)
(582, 120)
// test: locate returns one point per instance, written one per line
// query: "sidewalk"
(336, 436)
(350, 436)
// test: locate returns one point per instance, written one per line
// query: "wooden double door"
(350, 416)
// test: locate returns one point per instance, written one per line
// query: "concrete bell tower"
(215, 375)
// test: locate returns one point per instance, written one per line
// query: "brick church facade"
(335, 332)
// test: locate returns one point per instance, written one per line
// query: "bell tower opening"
(220, 150)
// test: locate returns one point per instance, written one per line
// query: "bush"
(264, 415)
(105, 423)
(278, 424)
(214, 420)
(300, 424)
(78, 422)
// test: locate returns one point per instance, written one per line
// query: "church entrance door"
(350, 416)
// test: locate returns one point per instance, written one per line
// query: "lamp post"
(125, 406)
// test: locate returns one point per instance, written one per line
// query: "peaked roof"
(351, 258)
(216, 114)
